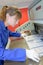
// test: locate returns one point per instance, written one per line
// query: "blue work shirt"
(16, 54)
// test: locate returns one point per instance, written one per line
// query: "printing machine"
(37, 30)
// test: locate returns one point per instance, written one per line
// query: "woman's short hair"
(11, 11)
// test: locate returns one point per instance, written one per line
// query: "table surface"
(22, 44)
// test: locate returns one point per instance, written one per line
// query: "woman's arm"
(14, 34)
(17, 54)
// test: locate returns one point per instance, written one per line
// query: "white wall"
(18, 3)
(37, 14)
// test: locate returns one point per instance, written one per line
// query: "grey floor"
(22, 44)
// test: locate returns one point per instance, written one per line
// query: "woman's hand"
(31, 54)
(25, 33)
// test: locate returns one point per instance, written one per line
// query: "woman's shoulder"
(1, 23)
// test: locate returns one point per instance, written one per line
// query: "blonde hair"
(11, 11)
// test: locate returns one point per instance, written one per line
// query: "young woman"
(11, 16)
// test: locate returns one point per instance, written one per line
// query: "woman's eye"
(16, 19)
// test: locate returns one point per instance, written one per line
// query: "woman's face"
(12, 20)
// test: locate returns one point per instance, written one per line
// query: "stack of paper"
(35, 42)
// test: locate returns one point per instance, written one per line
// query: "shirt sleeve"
(14, 34)
(17, 54)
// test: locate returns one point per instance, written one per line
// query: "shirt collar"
(3, 25)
